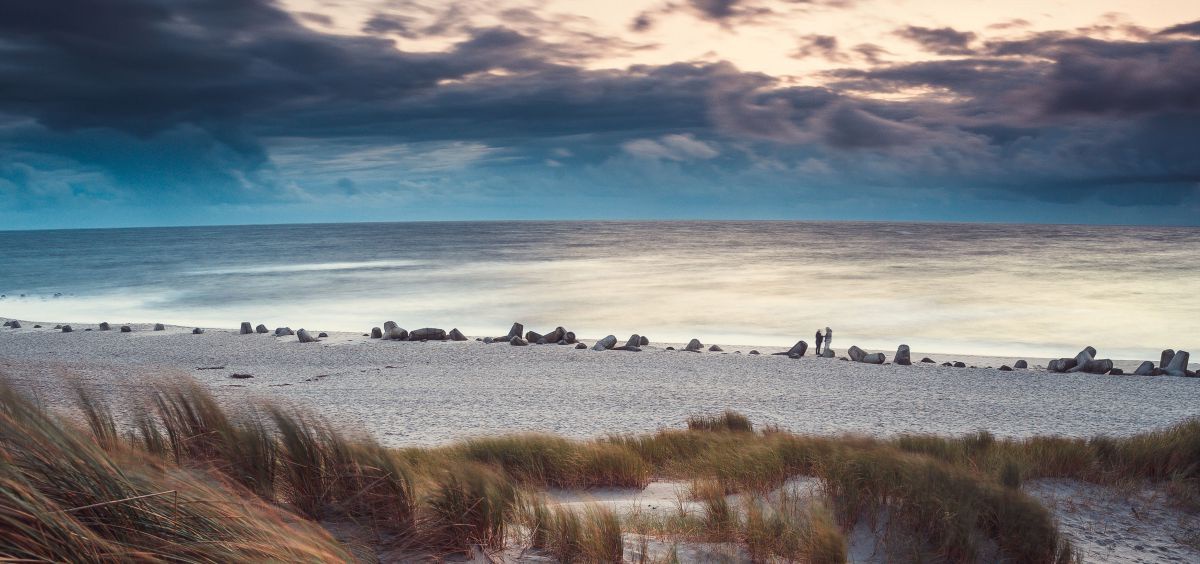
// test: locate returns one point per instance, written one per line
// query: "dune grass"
(186, 479)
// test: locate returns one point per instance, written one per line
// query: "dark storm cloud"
(1192, 28)
(942, 41)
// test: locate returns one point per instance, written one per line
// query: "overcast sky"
(176, 112)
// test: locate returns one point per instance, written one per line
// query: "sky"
(183, 112)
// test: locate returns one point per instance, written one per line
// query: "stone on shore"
(1178, 365)
(1146, 368)
(1060, 364)
(456, 335)
(376, 333)
(8, 324)
(1082, 359)
(246, 328)
(754, 352)
(389, 325)
(517, 341)
(1116, 372)
(126, 329)
(715, 348)
(197, 331)
(874, 358)
(516, 330)
(427, 334)
(322, 334)
(927, 360)
(1005, 368)
(488, 340)
(104, 326)
(606, 343)
(569, 337)
(959, 364)
(1101, 366)
(644, 342)
(799, 348)
(14, 324)
(1021, 364)
(396, 334)
(304, 337)
(284, 331)
(556, 335)
(1165, 358)
(532, 336)
(580, 346)
(828, 353)
(856, 354)
(635, 340)
(261, 329)
(694, 345)
(160, 327)
(903, 356)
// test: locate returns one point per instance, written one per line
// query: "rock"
(798, 349)
(605, 343)
(580, 346)
(903, 356)
(456, 335)
(874, 358)
(8, 324)
(126, 329)
(627, 348)
(241, 376)
(160, 327)
(1146, 368)
(570, 338)
(960, 364)
(694, 345)
(323, 334)
(644, 342)
(261, 329)
(1101, 366)
(669, 348)
(793, 356)
(927, 360)
(246, 328)
(542, 341)
(518, 342)
(389, 325)
(532, 336)
(754, 352)
(635, 340)
(1005, 368)
(104, 326)
(1082, 359)
(58, 326)
(488, 340)
(304, 336)
(828, 353)
(1020, 364)
(516, 330)
(1061, 365)
(396, 334)
(950, 364)
(88, 329)
(563, 342)
(37, 326)
(856, 354)
(427, 334)
(197, 331)
(15, 324)
(1166, 358)
(376, 333)
(737, 352)
(715, 348)
(1116, 372)
(284, 331)
(556, 335)
(1179, 363)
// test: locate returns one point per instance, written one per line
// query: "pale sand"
(411, 392)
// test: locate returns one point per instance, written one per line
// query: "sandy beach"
(433, 392)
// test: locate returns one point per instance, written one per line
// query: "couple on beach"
(826, 338)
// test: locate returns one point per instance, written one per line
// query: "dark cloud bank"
(169, 102)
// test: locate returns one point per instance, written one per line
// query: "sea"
(985, 289)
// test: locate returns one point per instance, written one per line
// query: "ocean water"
(1031, 290)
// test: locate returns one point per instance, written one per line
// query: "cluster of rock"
(13, 324)
(1170, 363)
(797, 350)
(393, 332)
(858, 355)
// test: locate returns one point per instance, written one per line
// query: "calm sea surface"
(983, 289)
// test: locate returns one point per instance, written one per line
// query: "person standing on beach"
(819, 338)
(828, 337)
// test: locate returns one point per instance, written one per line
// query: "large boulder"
(959, 364)
(517, 341)
(635, 341)
(694, 345)
(798, 349)
(903, 356)
(580, 346)
(1100, 366)
(515, 331)
(246, 328)
(715, 348)
(1021, 364)
(873, 358)
(644, 342)
(556, 335)
(1178, 365)
(427, 334)
(1082, 359)
(1146, 368)
(376, 333)
(284, 331)
(1061, 364)
(927, 360)
(605, 343)
(396, 334)
(14, 324)
(160, 327)
(569, 337)
(126, 329)
(304, 336)
(1005, 368)
(856, 354)
(260, 328)
(1165, 358)
(456, 335)
(389, 325)
(104, 326)
(828, 353)
(197, 331)
(533, 336)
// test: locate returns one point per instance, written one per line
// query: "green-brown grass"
(185, 478)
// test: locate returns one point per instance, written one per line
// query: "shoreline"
(407, 393)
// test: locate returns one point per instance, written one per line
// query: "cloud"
(942, 41)
(1192, 28)
(815, 45)
(675, 147)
